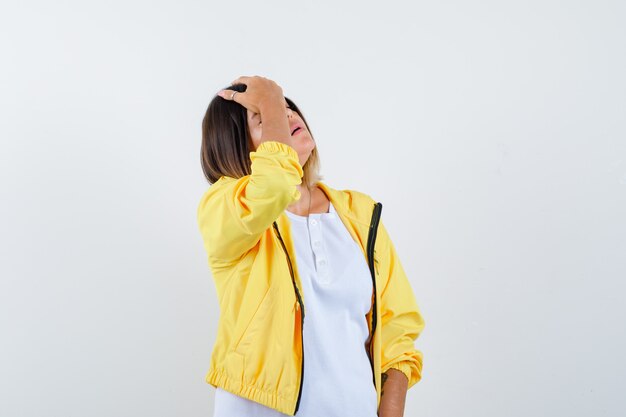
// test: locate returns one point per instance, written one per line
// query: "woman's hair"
(226, 141)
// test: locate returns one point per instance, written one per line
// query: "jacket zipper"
(293, 280)
(371, 240)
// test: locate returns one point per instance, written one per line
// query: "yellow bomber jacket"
(258, 352)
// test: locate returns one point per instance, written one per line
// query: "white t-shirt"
(337, 292)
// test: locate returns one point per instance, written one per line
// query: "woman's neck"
(312, 200)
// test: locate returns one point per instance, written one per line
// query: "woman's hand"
(264, 97)
(261, 93)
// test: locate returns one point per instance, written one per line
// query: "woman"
(283, 246)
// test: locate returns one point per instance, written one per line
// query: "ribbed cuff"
(275, 146)
(403, 367)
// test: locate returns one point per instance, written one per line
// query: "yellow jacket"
(258, 352)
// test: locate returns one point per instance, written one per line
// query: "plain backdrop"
(493, 132)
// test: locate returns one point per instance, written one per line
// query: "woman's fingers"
(228, 94)
(231, 94)
(259, 91)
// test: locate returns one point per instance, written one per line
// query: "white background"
(493, 132)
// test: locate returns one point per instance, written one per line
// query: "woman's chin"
(307, 143)
(304, 155)
(304, 145)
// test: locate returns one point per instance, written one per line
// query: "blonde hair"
(311, 169)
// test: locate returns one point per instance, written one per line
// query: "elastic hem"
(279, 402)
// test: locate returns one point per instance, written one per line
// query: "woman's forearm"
(275, 123)
(393, 394)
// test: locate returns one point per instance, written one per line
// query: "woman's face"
(302, 141)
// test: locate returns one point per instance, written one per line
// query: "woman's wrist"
(394, 386)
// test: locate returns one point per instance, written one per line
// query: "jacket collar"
(351, 204)
(353, 208)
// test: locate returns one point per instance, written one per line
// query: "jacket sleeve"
(233, 216)
(401, 319)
